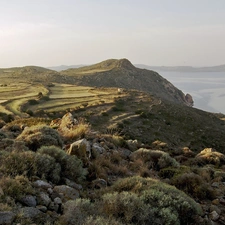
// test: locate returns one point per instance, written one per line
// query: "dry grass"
(77, 132)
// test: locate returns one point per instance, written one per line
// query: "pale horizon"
(51, 33)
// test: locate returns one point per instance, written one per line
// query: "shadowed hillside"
(122, 74)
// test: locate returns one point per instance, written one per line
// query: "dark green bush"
(127, 207)
(163, 203)
(16, 187)
(194, 185)
(18, 163)
(77, 211)
(47, 168)
(71, 166)
(99, 220)
(33, 102)
(49, 163)
(37, 136)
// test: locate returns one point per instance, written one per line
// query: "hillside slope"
(30, 74)
(122, 74)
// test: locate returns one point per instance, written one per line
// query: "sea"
(206, 88)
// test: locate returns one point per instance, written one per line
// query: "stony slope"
(122, 74)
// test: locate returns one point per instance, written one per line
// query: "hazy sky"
(152, 32)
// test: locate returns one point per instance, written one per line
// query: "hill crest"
(121, 73)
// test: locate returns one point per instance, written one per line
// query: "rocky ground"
(31, 193)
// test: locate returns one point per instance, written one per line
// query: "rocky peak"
(189, 100)
(125, 63)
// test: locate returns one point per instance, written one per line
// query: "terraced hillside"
(121, 73)
(136, 114)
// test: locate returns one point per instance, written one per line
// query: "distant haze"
(71, 32)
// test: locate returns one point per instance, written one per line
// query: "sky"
(152, 32)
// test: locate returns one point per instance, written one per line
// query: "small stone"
(30, 212)
(216, 201)
(43, 199)
(6, 217)
(29, 200)
(51, 206)
(72, 184)
(42, 208)
(50, 191)
(58, 201)
(215, 185)
(99, 183)
(42, 184)
(66, 193)
(215, 208)
(214, 216)
(222, 201)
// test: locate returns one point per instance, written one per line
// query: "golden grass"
(77, 132)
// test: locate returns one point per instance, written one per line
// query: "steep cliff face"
(123, 74)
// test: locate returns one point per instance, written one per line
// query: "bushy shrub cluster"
(135, 200)
(49, 162)
(16, 187)
(163, 203)
(37, 136)
(194, 185)
(155, 159)
(77, 211)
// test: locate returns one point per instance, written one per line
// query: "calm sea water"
(206, 88)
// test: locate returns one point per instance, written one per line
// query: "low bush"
(16, 187)
(127, 207)
(155, 159)
(69, 166)
(18, 163)
(77, 211)
(194, 185)
(49, 163)
(155, 203)
(100, 220)
(37, 136)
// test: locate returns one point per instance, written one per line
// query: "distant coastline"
(220, 68)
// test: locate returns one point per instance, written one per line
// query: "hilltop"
(121, 73)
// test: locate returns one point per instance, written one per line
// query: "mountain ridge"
(123, 74)
(218, 68)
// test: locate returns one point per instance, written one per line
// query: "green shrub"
(71, 166)
(37, 136)
(125, 206)
(16, 187)
(2, 135)
(32, 102)
(154, 158)
(18, 163)
(165, 203)
(135, 184)
(77, 211)
(100, 220)
(50, 163)
(30, 112)
(46, 168)
(171, 172)
(169, 205)
(194, 185)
